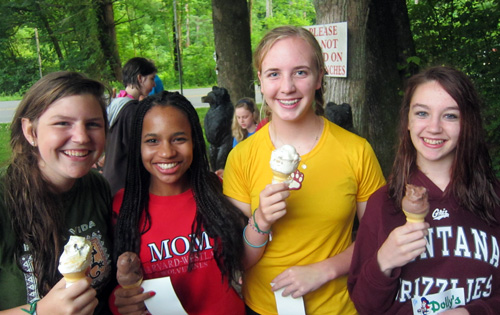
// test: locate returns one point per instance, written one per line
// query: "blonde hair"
(247, 103)
(282, 32)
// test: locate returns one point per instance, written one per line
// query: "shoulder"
(95, 183)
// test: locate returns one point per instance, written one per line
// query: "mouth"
(289, 102)
(433, 141)
(76, 153)
(166, 166)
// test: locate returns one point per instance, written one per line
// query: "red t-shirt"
(164, 251)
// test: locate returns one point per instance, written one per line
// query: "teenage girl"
(139, 79)
(311, 220)
(245, 120)
(49, 193)
(173, 203)
(451, 260)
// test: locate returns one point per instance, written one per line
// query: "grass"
(5, 136)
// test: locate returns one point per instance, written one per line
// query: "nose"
(435, 124)
(167, 150)
(80, 134)
(287, 85)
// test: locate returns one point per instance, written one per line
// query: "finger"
(89, 308)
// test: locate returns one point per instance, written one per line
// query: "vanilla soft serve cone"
(284, 161)
(75, 260)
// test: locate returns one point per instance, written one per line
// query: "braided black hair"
(221, 220)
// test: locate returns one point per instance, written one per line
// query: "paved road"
(8, 108)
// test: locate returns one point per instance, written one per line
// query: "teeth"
(76, 152)
(431, 141)
(289, 102)
(165, 166)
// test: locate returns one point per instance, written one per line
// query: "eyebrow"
(453, 107)
(152, 134)
(295, 68)
(63, 117)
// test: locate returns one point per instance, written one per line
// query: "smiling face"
(244, 118)
(167, 150)
(289, 78)
(434, 125)
(70, 136)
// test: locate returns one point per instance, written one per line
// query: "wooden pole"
(38, 51)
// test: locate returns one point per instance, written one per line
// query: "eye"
(451, 116)
(180, 140)
(272, 74)
(94, 125)
(61, 123)
(301, 73)
(151, 140)
(421, 114)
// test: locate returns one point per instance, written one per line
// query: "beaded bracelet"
(257, 226)
(250, 244)
(32, 309)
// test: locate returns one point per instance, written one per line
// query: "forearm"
(337, 265)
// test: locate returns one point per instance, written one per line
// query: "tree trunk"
(379, 39)
(107, 36)
(50, 32)
(233, 48)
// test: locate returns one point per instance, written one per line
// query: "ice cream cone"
(415, 217)
(131, 286)
(279, 177)
(74, 277)
(75, 260)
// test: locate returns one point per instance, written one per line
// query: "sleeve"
(370, 175)
(371, 291)
(234, 181)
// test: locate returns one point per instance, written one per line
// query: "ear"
(260, 81)
(29, 130)
(140, 79)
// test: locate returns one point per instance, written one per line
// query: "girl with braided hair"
(172, 212)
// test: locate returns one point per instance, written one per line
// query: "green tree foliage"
(464, 34)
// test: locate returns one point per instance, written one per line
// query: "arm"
(373, 284)
(272, 206)
(300, 280)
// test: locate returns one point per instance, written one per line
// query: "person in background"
(49, 193)
(311, 218)
(245, 120)
(158, 86)
(138, 79)
(450, 261)
(171, 196)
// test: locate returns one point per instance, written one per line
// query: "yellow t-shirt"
(341, 170)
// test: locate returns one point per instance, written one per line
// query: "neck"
(135, 93)
(252, 128)
(303, 135)
(438, 173)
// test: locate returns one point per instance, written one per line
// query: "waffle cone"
(74, 277)
(135, 285)
(415, 217)
(279, 177)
